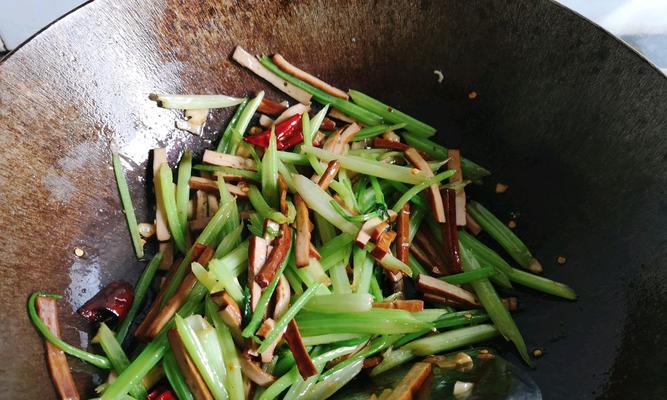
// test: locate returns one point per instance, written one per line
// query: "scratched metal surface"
(571, 118)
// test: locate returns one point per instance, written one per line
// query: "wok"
(570, 117)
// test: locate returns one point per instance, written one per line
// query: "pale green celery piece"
(226, 278)
(291, 158)
(329, 338)
(333, 303)
(365, 270)
(234, 377)
(391, 114)
(234, 220)
(372, 131)
(415, 266)
(270, 172)
(168, 199)
(325, 230)
(375, 289)
(229, 242)
(280, 385)
(430, 314)
(467, 277)
(332, 383)
(287, 175)
(291, 312)
(340, 283)
(435, 344)
(370, 167)
(176, 378)
(196, 101)
(94, 359)
(360, 114)
(206, 278)
(106, 339)
(128, 208)
(138, 368)
(407, 196)
(504, 236)
(140, 291)
(201, 342)
(291, 212)
(320, 202)
(494, 307)
(313, 274)
(263, 208)
(235, 261)
(375, 321)
(294, 281)
(244, 120)
(249, 175)
(225, 137)
(390, 262)
(206, 237)
(183, 188)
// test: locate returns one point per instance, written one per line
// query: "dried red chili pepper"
(288, 134)
(113, 301)
(159, 394)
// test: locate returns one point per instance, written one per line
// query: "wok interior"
(565, 114)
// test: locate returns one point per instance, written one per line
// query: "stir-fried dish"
(316, 243)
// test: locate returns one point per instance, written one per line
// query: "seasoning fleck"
(512, 224)
(439, 74)
(538, 353)
(467, 315)
(79, 252)
(415, 171)
(561, 260)
(472, 95)
(501, 187)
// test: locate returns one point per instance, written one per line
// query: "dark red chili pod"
(113, 301)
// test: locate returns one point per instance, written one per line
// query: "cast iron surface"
(573, 120)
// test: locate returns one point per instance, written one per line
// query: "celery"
(128, 209)
(263, 208)
(168, 199)
(201, 342)
(320, 202)
(196, 101)
(391, 114)
(492, 304)
(237, 132)
(183, 188)
(116, 355)
(270, 172)
(94, 359)
(470, 276)
(329, 338)
(364, 116)
(372, 131)
(225, 137)
(244, 173)
(175, 377)
(140, 291)
(370, 167)
(413, 191)
(229, 242)
(334, 303)
(375, 321)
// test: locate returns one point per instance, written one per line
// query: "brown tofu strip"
(329, 174)
(198, 225)
(372, 362)
(472, 226)
(428, 284)
(281, 246)
(211, 186)
(309, 78)
(253, 371)
(434, 266)
(282, 297)
(228, 160)
(303, 361)
(455, 163)
(407, 305)
(167, 249)
(327, 124)
(192, 377)
(142, 330)
(231, 316)
(382, 246)
(411, 382)
(380, 143)
(267, 326)
(403, 234)
(201, 202)
(257, 254)
(450, 234)
(161, 228)
(314, 253)
(176, 301)
(271, 107)
(61, 375)
(434, 191)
